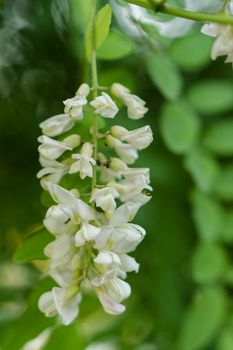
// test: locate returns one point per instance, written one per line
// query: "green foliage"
(30, 324)
(211, 96)
(66, 338)
(191, 52)
(180, 127)
(204, 169)
(218, 138)
(102, 25)
(32, 248)
(209, 263)
(204, 317)
(227, 230)
(165, 75)
(207, 215)
(97, 33)
(224, 185)
(116, 46)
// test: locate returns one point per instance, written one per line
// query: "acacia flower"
(104, 106)
(56, 125)
(125, 151)
(139, 138)
(59, 302)
(105, 198)
(83, 162)
(112, 293)
(74, 105)
(135, 105)
(52, 149)
(91, 242)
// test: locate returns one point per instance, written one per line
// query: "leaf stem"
(180, 12)
(94, 75)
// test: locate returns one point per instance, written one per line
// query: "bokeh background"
(182, 298)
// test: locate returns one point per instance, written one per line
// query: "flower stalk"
(180, 12)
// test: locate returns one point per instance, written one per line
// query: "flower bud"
(117, 164)
(72, 141)
(118, 131)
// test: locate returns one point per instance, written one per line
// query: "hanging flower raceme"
(92, 222)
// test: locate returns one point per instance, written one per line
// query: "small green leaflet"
(116, 46)
(32, 248)
(204, 319)
(180, 127)
(165, 75)
(102, 23)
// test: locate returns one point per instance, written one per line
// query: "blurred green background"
(182, 297)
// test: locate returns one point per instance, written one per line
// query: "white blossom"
(75, 208)
(131, 188)
(120, 236)
(91, 243)
(59, 302)
(56, 221)
(125, 151)
(111, 294)
(56, 125)
(83, 162)
(52, 149)
(74, 105)
(135, 105)
(139, 138)
(104, 106)
(105, 198)
(86, 233)
(223, 45)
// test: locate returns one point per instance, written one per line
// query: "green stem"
(180, 12)
(95, 126)
(94, 76)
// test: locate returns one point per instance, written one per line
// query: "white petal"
(110, 306)
(56, 125)
(46, 304)
(60, 194)
(67, 309)
(124, 214)
(128, 263)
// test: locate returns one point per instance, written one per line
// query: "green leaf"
(164, 75)
(191, 52)
(80, 13)
(116, 46)
(227, 230)
(225, 340)
(180, 127)
(204, 318)
(224, 185)
(31, 323)
(32, 248)
(208, 216)
(66, 338)
(102, 25)
(219, 138)
(212, 96)
(209, 263)
(204, 169)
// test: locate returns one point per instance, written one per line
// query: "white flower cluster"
(93, 230)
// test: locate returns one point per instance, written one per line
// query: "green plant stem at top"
(180, 12)
(94, 76)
